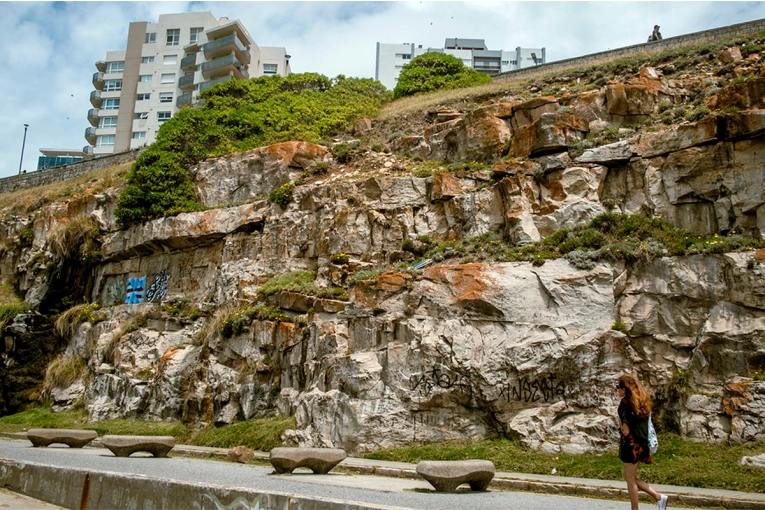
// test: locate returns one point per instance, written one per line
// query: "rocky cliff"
(400, 349)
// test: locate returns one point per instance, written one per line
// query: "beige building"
(163, 68)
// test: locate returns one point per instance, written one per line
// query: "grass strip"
(678, 462)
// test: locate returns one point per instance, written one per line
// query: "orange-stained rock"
(729, 55)
(445, 186)
(682, 137)
(530, 111)
(371, 293)
(553, 132)
(362, 126)
(465, 281)
(744, 124)
(503, 169)
(746, 95)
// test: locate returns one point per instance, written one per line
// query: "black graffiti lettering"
(544, 389)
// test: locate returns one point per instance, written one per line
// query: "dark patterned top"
(634, 446)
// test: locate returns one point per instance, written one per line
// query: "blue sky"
(50, 47)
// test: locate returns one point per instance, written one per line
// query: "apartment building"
(163, 68)
(391, 58)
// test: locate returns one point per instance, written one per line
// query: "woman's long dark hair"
(635, 394)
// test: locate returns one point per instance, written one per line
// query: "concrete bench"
(318, 460)
(124, 446)
(70, 437)
(447, 475)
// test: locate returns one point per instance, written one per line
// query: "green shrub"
(282, 195)
(344, 152)
(619, 326)
(241, 320)
(365, 274)
(236, 116)
(339, 258)
(436, 71)
(26, 237)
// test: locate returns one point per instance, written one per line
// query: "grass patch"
(27, 200)
(714, 466)
(260, 434)
(43, 417)
(10, 305)
(303, 283)
(608, 237)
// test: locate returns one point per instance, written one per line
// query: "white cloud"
(50, 47)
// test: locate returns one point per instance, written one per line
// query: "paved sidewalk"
(550, 484)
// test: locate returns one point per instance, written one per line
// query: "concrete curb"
(548, 484)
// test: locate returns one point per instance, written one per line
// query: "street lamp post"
(22, 147)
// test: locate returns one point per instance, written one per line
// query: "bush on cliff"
(436, 71)
(236, 116)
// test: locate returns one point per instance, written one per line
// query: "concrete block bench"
(447, 475)
(124, 446)
(70, 437)
(318, 460)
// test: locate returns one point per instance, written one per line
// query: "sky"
(50, 48)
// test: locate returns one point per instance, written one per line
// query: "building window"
(139, 134)
(165, 97)
(168, 78)
(173, 36)
(141, 115)
(151, 37)
(144, 77)
(143, 97)
(112, 85)
(170, 60)
(107, 122)
(105, 141)
(163, 116)
(110, 104)
(404, 56)
(147, 60)
(505, 62)
(115, 67)
(269, 68)
(194, 34)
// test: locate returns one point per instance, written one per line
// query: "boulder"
(730, 55)
(681, 137)
(240, 454)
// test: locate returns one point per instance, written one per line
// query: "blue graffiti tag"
(135, 287)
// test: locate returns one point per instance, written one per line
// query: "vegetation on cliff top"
(430, 72)
(236, 116)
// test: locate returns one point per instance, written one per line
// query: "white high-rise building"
(391, 58)
(164, 66)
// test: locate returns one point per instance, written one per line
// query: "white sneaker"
(662, 503)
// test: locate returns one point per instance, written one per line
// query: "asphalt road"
(394, 492)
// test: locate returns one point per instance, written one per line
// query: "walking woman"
(634, 410)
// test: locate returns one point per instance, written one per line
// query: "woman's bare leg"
(630, 476)
(643, 486)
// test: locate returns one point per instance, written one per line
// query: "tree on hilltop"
(436, 71)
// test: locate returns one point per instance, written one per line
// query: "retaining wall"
(66, 172)
(637, 49)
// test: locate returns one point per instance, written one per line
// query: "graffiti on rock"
(158, 288)
(115, 293)
(427, 382)
(543, 389)
(135, 288)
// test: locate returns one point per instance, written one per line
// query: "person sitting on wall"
(655, 35)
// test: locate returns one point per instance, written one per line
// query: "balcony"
(88, 151)
(189, 62)
(95, 98)
(90, 135)
(183, 100)
(186, 82)
(101, 66)
(98, 81)
(224, 46)
(223, 66)
(208, 84)
(93, 116)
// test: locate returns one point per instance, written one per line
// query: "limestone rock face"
(255, 173)
(457, 348)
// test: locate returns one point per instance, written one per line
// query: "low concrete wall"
(637, 49)
(66, 172)
(78, 488)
